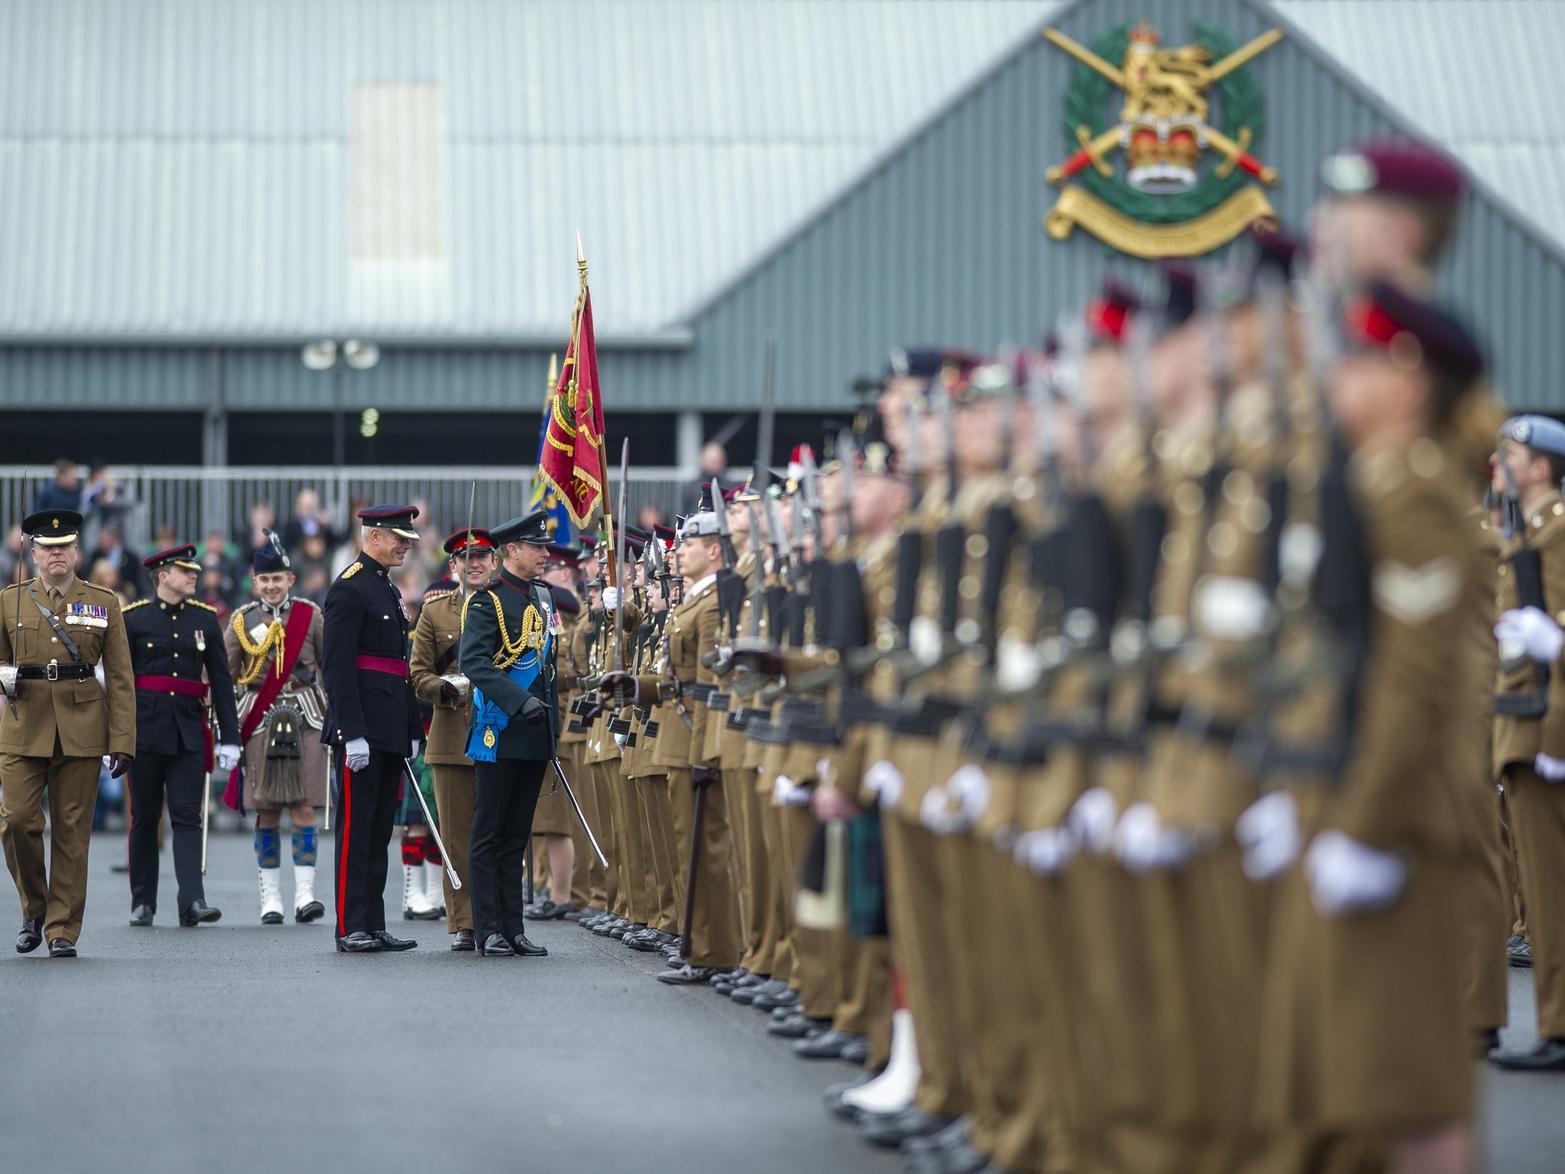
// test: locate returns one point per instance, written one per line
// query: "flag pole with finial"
(599, 441)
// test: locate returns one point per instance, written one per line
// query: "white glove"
(1268, 835)
(884, 781)
(1533, 630)
(621, 739)
(969, 787)
(1348, 877)
(227, 757)
(789, 793)
(358, 751)
(1046, 851)
(1143, 843)
(1551, 770)
(1091, 819)
(611, 599)
(413, 748)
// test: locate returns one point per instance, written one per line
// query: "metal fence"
(192, 500)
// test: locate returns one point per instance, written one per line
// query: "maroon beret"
(1398, 167)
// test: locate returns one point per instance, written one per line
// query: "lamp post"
(328, 354)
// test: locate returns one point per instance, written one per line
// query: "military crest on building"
(1162, 143)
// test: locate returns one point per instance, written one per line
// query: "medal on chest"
(200, 640)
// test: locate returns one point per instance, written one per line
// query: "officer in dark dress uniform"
(172, 639)
(372, 723)
(508, 654)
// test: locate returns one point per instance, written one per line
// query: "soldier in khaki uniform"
(437, 678)
(1369, 1044)
(712, 925)
(57, 632)
(1529, 723)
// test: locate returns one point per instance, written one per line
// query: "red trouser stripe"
(345, 823)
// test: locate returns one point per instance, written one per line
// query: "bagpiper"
(274, 649)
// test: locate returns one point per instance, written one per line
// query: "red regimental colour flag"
(572, 456)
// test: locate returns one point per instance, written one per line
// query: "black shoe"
(619, 931)
(855, 1051)
(953, 1137)
(959, 1159)
(602, 927)
(395, 945)
(765, 1002)
(359, 942)
(797, 1027)
(199, 913)
(1548, 1056)
(308, 912)
(747, 994)
(60, 948)
(30, 936)
(893, 1129)
(827, 1045)
(1521, 955)
(462, 941)
(141, 915)
(648, 944)
(272, 918)
(580, 915)
(687, 975)
(496, 946)
(546, 911)
(528, 949)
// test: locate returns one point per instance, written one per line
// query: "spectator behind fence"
(650, 516)
(106, 575)
(112, 550)
(262, 518)
(11, 555)
(222, 575)
(713, 464)
(64, 492)
(104, 503)
(308, 521)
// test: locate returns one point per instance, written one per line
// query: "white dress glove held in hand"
(227, 757)
(1534, 631)
(358, 751)
(1348, 877)
(1549, 769)
(1268, 835)
(611, 599)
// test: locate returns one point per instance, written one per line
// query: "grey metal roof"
(1473, 75)
(183, 168)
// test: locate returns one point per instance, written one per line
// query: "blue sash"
(489, 720)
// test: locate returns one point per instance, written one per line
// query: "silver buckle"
(51, 671)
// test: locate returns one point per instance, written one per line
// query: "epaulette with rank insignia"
(431, 596)
(244, 607)
(198, 603)
(353, 569)
(134, 606)
(95, 587)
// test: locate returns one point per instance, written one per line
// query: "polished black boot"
(30, 936)
(199, 913)
(528, 949)
(395, 945)
(141, 915)
(495, 946)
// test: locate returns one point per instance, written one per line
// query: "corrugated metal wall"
(942, 243)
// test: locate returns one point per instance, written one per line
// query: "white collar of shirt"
(699, 586)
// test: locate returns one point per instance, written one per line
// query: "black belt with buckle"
(697, 691)
(54, 672)
(718, 702)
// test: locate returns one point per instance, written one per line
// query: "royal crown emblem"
(1185, 124)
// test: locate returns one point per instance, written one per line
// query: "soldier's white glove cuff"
(1046, 851)
(358, 753)
(789, 793)
(227, 757)
(611, 599)
(1143, 843)
(970, 788)
(1091, 819)
(1348, 877)
(413, 750)
(1550, 769)
(1534, 631)
(1268, 835)
(884, 781)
